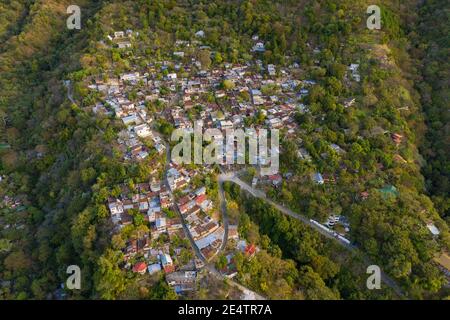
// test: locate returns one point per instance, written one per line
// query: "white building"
(172, 76)
(271, 70)
(259, 47)
(116, 208)
(200, 34)
(119, 34)
(433, 229)
(226, 124)
(124, 44)
(130, 76)
(143, 130)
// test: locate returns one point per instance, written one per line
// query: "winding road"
(234, 178)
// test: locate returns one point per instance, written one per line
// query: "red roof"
(184, 200)
(274, 177)
(200, 199)
(169, 268)
(250, 249)
(184, 207)
(140, 267)
(397, 138)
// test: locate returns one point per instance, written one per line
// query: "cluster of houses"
(154, 201)
(278, 107)
(183, 281)
(122, 39)
(195, 207)
(194, 94)
(178, 178)
(232, 96)
(150, 201)
(232, 110)
(134, 141)
(247, 249)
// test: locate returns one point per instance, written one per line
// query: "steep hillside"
(12, 18)
(49, 140)
(61, 162)
(431, 49)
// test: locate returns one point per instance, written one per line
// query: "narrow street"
(223, 209)
(208, 266)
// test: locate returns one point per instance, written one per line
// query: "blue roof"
(166, 259)
(318, 177)
(154, 268)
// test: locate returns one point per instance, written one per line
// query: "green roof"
(4, 146)
(389, 190)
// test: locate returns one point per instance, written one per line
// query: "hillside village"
(95, 115)
(190, 98)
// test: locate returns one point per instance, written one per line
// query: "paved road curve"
(225, 222)
(233, 177)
